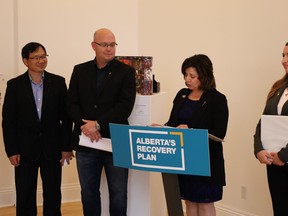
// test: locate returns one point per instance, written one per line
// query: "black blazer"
(23, 132)
(112, 103)
(213, 116)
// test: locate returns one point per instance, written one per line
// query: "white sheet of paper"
(103, 144)
(274, 132)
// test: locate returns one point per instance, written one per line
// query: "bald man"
(101, 91)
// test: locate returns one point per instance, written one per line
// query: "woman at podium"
(201, 106)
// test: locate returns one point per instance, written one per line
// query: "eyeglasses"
(37, 58)
(106, 45)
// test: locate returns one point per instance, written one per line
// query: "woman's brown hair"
(278, 84)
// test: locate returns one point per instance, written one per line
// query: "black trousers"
(26, 175)
(278, 186)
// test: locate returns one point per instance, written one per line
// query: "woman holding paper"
(201, 106)
(276, 160)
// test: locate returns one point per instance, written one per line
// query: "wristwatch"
(97, 126)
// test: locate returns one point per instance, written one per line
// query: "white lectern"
(145, 189)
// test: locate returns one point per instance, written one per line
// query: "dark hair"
(30, 48)
(204, 68)
(278, 84)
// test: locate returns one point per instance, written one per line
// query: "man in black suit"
(36, 132)
(101, 91)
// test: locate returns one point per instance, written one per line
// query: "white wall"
(7, 69)
(243, 38)
(66, 29)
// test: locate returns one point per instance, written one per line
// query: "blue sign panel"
(161, 149)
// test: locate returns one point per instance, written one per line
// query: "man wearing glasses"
(101, 91)
(36, 132)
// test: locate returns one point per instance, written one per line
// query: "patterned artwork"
(143, 67)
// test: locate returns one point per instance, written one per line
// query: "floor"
(71, 209)
(68, 209)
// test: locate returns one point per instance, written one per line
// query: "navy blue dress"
(193, 188)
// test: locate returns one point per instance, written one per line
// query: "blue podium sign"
(161, 149)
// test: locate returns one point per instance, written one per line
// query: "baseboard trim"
(7, 196)
(224, 210)
(70, 193)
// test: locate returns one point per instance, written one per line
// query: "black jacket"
(23, 132)
(112, 103)
(213, 115)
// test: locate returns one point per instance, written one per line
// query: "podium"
(172, 194)
(166, 150)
